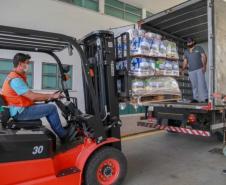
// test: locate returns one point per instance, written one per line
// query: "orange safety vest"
(10, 96)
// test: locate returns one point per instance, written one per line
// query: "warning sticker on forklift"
(110, 44)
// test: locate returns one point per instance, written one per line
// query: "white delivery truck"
(205, 22)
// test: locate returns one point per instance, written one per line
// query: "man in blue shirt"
(195, 59)
(21, 99)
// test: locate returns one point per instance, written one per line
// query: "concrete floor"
(162, 158)
(129, 125)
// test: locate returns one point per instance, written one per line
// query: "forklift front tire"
(107, 166)
(219, 135)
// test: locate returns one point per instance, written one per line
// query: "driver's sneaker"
(71, 134)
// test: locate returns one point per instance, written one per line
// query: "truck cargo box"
(203, 20)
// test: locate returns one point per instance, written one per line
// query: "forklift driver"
(21, 100)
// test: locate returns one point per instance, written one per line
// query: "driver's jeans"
(49, 111)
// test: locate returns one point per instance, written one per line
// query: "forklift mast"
(99, 49)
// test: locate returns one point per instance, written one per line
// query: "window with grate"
(51, 77)
(89, 4)
(123, 10)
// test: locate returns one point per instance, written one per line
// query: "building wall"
(55, 16)
(59, 17)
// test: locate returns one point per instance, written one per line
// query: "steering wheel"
(58, 102)
(61, 91)
(53, 100)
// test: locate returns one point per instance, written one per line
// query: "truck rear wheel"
(108, 166)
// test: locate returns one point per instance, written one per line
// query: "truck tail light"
(192, 119)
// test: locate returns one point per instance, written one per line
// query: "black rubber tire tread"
(219, 136)
(99, 156)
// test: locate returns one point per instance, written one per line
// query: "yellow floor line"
(142, 135)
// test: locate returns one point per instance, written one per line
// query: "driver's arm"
(36, 97)
(22, 89)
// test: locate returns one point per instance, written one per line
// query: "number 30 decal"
(37, 150)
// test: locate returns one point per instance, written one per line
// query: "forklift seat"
(23, 124)
(10, 123)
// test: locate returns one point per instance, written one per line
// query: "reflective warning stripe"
(177, 129)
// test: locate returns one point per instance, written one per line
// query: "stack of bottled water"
(153, 63)
(151, 44)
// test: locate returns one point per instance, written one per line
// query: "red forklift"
(31, 154)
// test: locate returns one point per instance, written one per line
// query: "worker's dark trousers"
(44, 110)
(198, 82)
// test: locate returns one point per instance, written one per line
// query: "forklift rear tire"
(108, 166)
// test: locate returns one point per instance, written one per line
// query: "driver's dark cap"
(189, 40)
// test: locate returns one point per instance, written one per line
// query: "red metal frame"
(208, 107)
(46, 171)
